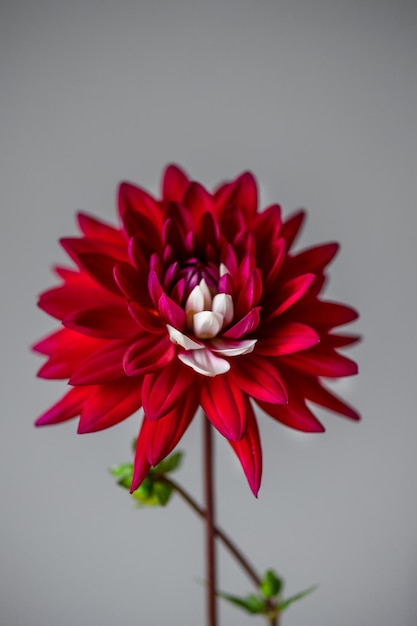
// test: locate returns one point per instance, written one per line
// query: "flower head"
(197, 300)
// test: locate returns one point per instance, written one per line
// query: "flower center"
(208, 314)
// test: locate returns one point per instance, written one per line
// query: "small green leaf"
(298, 596)
(252, 603)
(123, 473)
(271, 584)
(170, 464)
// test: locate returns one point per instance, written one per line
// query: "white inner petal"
(207, 324)
(223, 304)
(205, 362)
(223, 270)
(233, 348)
(182, 340)
(206, 294)
(195, 301)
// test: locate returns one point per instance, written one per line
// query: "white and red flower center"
(208, 314)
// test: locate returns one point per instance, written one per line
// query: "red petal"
(321, 362)
(101, 269)
(249, 451)
(163, 435)
(318, 394)
(105, 322)
(61, 301)
(163, 390)
(325, 314)
(289, 338)
(96, 229)
(225, 406)
(148, 354)
(68, 407)
(109, 404)
(313, 260)
(103, 366)
(341, 341)
(132, 283)
(198, 201)
(294, 414)
(131, 197)
(66, 350)
(174, 183)
(259, 378)
(242, 193)
(171, 312)
(292, 291)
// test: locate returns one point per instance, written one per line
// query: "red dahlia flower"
(195, 301)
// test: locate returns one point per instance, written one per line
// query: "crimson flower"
(197, 300)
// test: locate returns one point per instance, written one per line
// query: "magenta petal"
(291, 228)
(164, 389)
(171, 312)
(225, 406)
(109, 404)
(148, 354)
(260, 379)
(292, 291)
(289, 338)
(246, 325)
(249, 451)
(68, 407)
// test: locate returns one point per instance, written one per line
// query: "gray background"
(318, 99)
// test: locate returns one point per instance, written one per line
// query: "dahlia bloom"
(196, 300)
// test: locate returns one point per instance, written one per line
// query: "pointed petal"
(105, 322)
(318, 394)
(321, 362)
(109, 404)
(289, 338)
(204, 362)
(163, 435)
(96, 229)
(292, 291)
(259, 379)
(174, 183)
(249, 452)
(294, 414)
(148, 354)
(225, 406)
(171, 312)
(245, 326)
(313, 259)
(68, 407)
(291, 227)
(164, 389)
(103, 366)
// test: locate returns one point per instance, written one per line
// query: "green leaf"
(152, 493)
(298, 596)
(170, 464)
(253, 604)
(271, 584)
(123, 473)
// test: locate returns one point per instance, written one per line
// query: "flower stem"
(220, 534)
(209, 517)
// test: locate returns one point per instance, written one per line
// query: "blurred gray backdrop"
(318, 99)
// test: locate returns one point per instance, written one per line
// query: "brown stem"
(209, 518)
